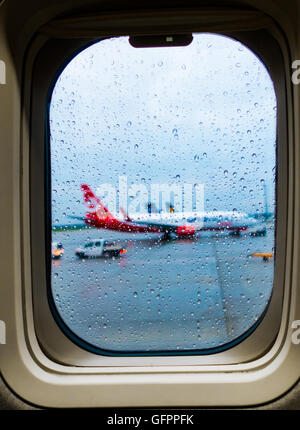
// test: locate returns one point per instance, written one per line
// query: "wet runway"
(184, 294)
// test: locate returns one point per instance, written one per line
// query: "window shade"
(155, 21)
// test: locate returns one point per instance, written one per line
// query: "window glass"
(171, 154)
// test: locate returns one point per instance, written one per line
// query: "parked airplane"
(181, 224)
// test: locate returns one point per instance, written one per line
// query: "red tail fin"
(125, 214)
(93, 202)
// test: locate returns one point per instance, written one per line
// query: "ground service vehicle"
(190, 105)
(57, 250)
(100, 248)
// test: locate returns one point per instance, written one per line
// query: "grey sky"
(205, 114)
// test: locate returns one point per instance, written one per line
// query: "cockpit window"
(169, 154)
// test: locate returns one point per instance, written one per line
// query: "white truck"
(100, 248)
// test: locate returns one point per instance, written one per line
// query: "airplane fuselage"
(181, 224)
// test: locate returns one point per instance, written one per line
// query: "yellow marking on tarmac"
(265, 255)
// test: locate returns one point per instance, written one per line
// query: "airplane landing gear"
(166, 236)
(235, 233)
(260, 233)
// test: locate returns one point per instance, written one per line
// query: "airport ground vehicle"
(57, 250)
(100, 248)
(268, 379)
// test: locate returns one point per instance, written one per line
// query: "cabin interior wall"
(18, 22)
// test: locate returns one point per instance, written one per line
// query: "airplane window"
(169, 154)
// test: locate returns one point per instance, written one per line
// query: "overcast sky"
(202, 114)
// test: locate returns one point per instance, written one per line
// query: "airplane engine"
(186, 231)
